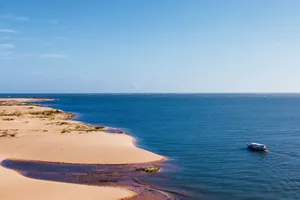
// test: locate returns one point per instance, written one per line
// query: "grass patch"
(63, 123)
(8, 119)
(99, 128)
(114, 174)
(4, 114)
(153, 169)
(31, 104)
(8, 133)
(50, 114)
(46, 112)
(69, 115)
(66, 130)
(88, 128)
(80, 127)
(10, 103)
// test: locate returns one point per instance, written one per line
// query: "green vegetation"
(8, 119)
(62, 123)
(99, 128)
(66, 130)
(10, 103)
(153, 169)
(88, 128)
(5, 114)
(79, 127)
(114, 174)
(46, 112)
(51, 114)
(31, 104)
(8, 133)
(68, 115)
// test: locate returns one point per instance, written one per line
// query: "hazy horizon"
(168, 46)
(159, 93)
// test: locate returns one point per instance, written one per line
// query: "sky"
(149, 46)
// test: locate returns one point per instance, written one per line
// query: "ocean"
(205, 136)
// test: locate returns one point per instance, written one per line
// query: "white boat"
(257, 147)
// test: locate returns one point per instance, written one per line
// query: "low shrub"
(153, 169)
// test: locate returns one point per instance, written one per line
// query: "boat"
(257, 147)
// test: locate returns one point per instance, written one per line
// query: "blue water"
(205, 137)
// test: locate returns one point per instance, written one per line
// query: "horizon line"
(150, 93)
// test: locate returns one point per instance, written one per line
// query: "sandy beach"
(32, 132)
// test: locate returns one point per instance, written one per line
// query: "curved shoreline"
(112, 140)
(46, 140)
(75, 115)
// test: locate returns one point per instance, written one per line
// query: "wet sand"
(14, 186)
(117, 175)
(36, 133)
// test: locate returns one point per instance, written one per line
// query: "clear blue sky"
(149, 46)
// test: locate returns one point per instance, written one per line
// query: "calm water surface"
(205, 138)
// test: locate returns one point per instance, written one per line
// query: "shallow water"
(205, 137)
(113, 175)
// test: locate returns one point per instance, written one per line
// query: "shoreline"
(72, 126)
(74, 118)
(77, 145)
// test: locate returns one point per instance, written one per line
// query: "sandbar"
(32, 132)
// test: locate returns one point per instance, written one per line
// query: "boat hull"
(256, 147)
